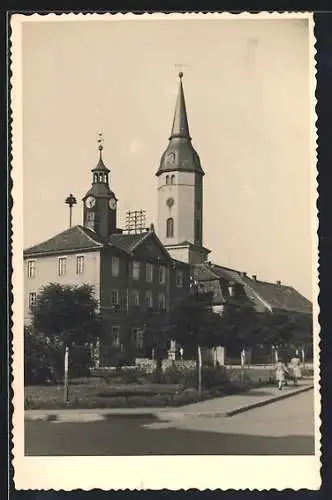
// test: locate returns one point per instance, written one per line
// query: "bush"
(44, 360)
(186, 377)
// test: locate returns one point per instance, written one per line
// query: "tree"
(67, 313)
(241, 327)
(158, 329)
(193, 324)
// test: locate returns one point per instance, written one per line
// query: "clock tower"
(180, 192)
(100, 203)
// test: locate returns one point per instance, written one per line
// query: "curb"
(280, 397)
(161, 414)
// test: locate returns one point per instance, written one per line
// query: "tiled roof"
(126, 242)
(264, 295)
(280, 297)
(75, 238)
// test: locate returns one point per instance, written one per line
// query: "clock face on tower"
(90, 202)
(112, 203)
(170, 158)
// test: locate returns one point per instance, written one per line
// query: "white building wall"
(183, 210)
(46, 271)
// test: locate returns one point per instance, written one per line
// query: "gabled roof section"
(280, 297)
(74, 238)
(265, 295)
(126, 242)
(132, 243)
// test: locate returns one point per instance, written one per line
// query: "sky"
(246, 85)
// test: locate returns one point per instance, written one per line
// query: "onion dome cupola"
(100, 202)
(180, 154)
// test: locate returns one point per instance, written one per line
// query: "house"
(132, 273)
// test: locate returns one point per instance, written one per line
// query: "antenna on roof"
(135, 221)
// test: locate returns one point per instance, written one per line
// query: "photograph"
(165, 254)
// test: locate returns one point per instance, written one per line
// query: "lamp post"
(70, 201)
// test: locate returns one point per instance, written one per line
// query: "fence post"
(66, 362)
(199, 360)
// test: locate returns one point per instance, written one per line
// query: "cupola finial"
(100, 143)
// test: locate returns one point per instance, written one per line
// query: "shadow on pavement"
(126, 436)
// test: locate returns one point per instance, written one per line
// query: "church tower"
(180, 192)
(100, 203)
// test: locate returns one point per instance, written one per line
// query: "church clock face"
(170, 158)
(112, 204)
(90, 202)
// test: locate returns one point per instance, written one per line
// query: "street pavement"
(285, 427)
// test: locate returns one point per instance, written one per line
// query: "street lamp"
(70, 201)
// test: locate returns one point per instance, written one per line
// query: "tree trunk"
(199, 370)
(159, 363)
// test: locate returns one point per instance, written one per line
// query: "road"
(282, 428)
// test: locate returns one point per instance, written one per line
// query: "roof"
(81, 238)
(126, 242)
(100, 167)
(180, 154)
(264, 294)
(75, 238)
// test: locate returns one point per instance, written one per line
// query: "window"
(31, 268)
(173, 179)
(116, 336)
(162, 275)
(80, 264)
(115, 297)
(161, 301)
(138, 335)
(115, 266)
(135, 297)
(136, 269)
(62, 264)
(32, 299)
(148, 299)
(170, 228)
(149, 272)
(179, 278)
(167, 179)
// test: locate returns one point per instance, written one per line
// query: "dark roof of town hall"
(79, 238)
(265, 295)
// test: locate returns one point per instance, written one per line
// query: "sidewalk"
(226, 406)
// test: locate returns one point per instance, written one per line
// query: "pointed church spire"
(180, 123)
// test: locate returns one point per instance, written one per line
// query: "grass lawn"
(95, 393)
(114, 392)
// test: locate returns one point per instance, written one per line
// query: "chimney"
(254, 277)
(243, 274)
(278, 283)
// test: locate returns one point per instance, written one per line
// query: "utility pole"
(70, 201)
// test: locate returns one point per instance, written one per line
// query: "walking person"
(281, 373)
(296, 369)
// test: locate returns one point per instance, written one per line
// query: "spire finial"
(180, 75)
(100, 142)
